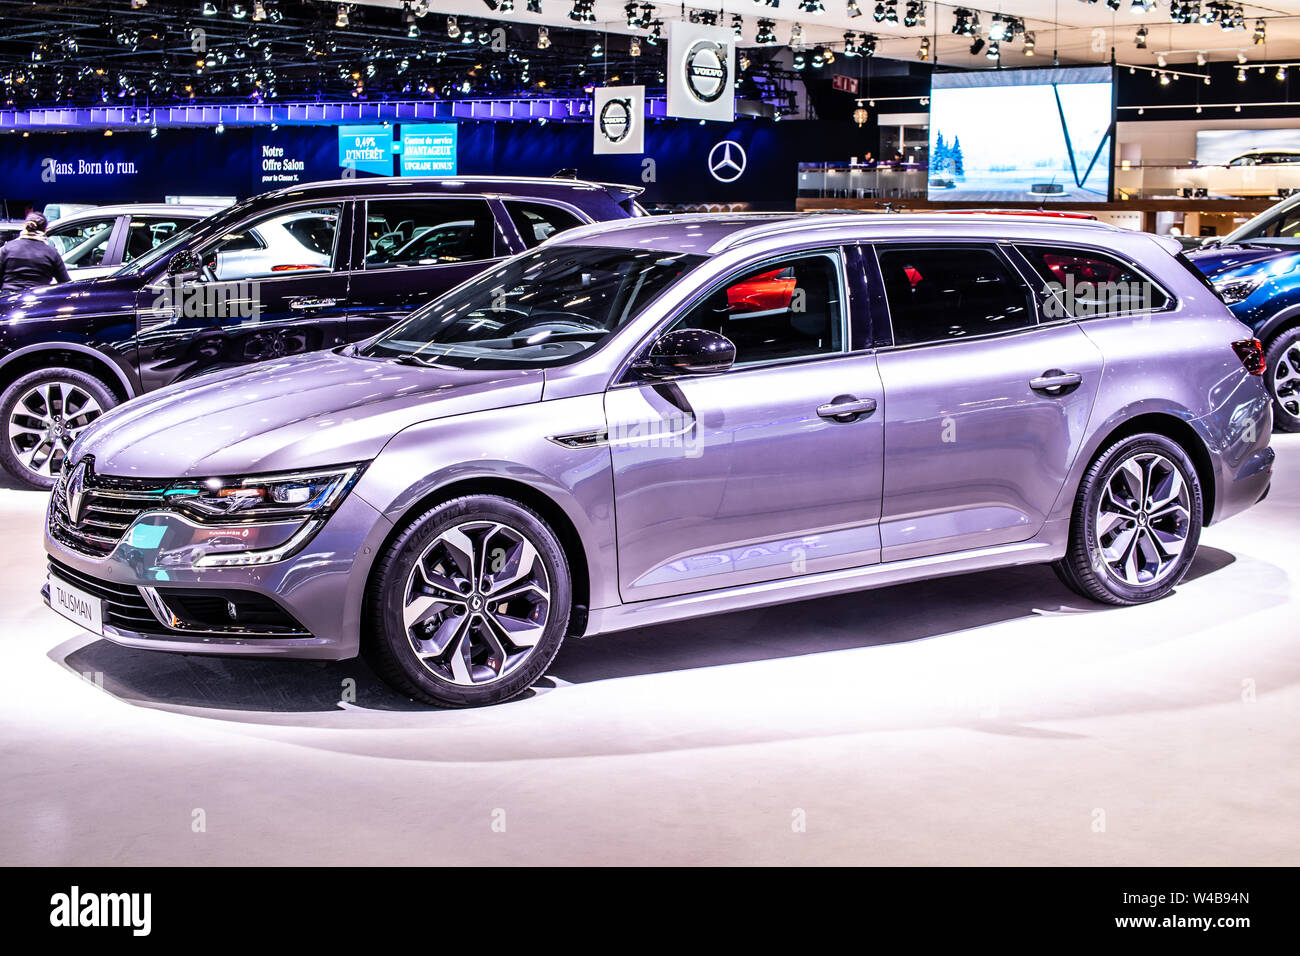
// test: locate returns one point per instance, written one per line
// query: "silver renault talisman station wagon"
(650, 420)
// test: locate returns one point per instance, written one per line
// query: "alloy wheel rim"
(1286, 380)
(1142, 519)
(46, 421)
(476, 603)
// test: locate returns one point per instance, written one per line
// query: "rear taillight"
(1251, 353)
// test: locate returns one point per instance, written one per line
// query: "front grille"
(108, 507)
(124, 607)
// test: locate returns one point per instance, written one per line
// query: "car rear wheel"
(43, 413)
(470, 603)
(1282, 373)
(1136, 522)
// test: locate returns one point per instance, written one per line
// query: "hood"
(305, 411)
(66, 300)
(1221, 259)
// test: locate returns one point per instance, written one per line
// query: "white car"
(300, 240)
(100, 241)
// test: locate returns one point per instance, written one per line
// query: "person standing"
(29, 260)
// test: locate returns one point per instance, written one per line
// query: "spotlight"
(259, 11)
(1281, 73)
(924, 52)
(453, 28)
(534, 6)
(1161, 61)
(997, 29)
(852, 9)
(815, 7)
(1164, 79)
(1030, 42)
(818, 58)
(634, 48)
(737, 24)
(765, 32)
(341, 20)
(1259, 32)
(209, 9)
(1200, 59)
(850, 44)
(237, 10)
(993, 51)
(221, 127)
(977, 46)
(597, 50)
(1140, 38)
(798, 62)
(1241, 75)
(866, 43)
(543, 38)
(796, 35)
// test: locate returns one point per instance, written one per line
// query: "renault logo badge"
(76, 492)
(705, 66)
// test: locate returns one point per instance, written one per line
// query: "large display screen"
(1021, 135)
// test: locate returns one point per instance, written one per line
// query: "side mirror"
(687, 352)
(185, 262)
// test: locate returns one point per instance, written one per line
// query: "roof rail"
(637, 222)
(808, 223)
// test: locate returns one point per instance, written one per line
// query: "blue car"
(1256, 271)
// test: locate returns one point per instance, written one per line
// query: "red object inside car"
(767, 292)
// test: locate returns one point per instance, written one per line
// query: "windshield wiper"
(410, 358)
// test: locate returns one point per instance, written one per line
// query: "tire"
(1099, 565)
(37, 431)
(1282, 361)
(458, 664)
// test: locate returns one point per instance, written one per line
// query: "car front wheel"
(43, 413)
(470, 603)
(1136, 522)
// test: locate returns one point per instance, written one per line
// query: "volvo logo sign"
(705, 66)
(727, 161)
(616, 120)
(76, 492)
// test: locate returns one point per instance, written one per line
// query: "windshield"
(1281, 224)
(542, 308)
(183, 237)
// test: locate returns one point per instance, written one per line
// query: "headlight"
(1234, 289)
(279, 497)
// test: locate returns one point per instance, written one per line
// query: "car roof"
(202, 210)
(711, 233)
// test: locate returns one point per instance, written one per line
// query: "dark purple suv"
(300, 269)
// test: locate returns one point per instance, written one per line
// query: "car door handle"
(1056, 382)
(847, 408)
(307, 305)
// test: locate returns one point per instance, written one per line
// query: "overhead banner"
(619, 125)
(701, 71)
(429, 150)
(366, 149)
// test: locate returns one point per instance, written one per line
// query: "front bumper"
(321, 587)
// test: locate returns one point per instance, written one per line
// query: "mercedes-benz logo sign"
(616, 120)
(705, 66)
(727, 161)
(76, 491)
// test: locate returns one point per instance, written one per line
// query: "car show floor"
(993, 718)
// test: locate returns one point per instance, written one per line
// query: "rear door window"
(943, 293)
(428, 232)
